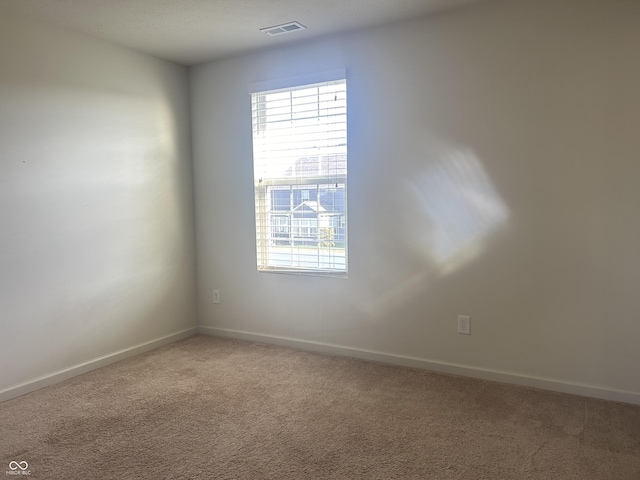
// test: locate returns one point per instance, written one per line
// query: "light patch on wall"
(450, 211)
(461, 208)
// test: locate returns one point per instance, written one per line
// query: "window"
(300, 176)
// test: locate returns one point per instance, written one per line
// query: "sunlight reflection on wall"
(461, 208)
(450, 212)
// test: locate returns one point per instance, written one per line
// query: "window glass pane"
(300, 169)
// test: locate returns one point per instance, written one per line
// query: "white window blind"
(300, 178)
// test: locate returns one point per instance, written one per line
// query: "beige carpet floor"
(211, 408)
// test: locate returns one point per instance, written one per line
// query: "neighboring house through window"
(300, 175)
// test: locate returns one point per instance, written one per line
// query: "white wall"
(493, 155)
(96, 209)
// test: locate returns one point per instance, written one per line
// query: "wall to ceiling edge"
(492, 168)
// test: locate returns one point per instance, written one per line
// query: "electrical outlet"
(216, 296)
(464, 325)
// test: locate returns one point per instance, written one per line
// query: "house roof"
(310, 205)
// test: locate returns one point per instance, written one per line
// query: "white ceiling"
(195, 31)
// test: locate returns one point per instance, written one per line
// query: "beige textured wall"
(96, 209)
(493, 172)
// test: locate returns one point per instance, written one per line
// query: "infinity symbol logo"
(13, 465)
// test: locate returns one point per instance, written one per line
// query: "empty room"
(304, 239)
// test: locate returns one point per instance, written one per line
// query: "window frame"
(268, 229)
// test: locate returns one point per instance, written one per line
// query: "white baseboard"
(435, 366)
(60, 375)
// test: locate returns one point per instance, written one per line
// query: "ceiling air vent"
(282, 29)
